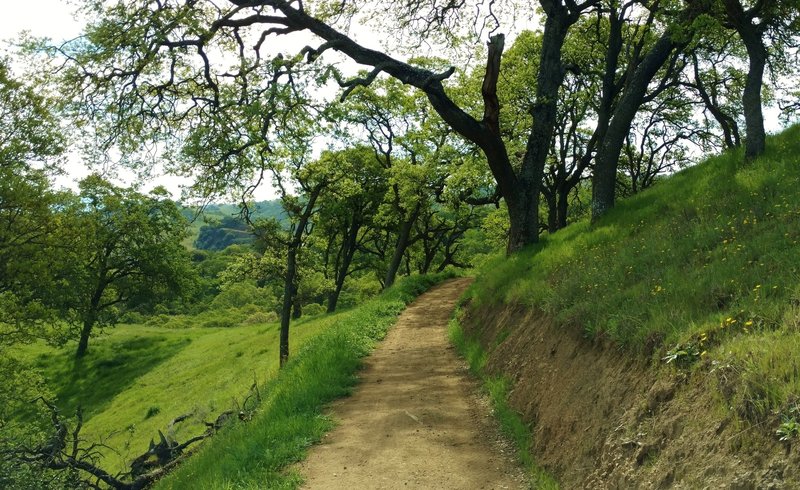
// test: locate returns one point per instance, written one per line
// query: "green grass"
(289, 420)
(136, 378)
(703, 265)
(498, 389)
(134, 381)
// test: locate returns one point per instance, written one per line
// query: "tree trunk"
(751, 35)
(552, 211)
(524, 207)
(523, 212)
(755, 136)
(521, 192)
(91, 317)
(400, 247)
(297, 308)
(86, 331)
(289, 292)
(290, 281)
(604, 178)
(333, 296)
(341, 275)
(349, 247)
(562, 203)
(730, 130)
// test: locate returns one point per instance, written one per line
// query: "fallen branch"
(64, 450)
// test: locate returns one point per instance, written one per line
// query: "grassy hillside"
(699, 271)
(138, 378)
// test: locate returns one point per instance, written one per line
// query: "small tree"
(125, 250)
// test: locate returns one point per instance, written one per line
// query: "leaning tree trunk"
(524, 207)
(297, 308)
(86, 331)
(604, 178)
(400, 247)
(521, 192)
(730, 130)
(751, 35)
(562, 205)
(349, 249)
(289, 293)
(290, 280)
(89, 320)
(552, 212)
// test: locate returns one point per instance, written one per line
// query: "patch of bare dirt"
(602, 419)
(416, 420)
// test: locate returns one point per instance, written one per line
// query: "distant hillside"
(219, 225)
(659, 346)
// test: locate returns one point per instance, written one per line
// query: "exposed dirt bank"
(416, 420)
(602, 420)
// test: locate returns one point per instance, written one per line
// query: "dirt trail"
(416, 420)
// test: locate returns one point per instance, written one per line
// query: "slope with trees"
(122, 249)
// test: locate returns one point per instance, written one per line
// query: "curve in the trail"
(416, 420)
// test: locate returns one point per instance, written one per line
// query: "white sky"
(51, 18)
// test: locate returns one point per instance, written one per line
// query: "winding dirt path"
(416, 420)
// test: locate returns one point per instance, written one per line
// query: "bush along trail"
(416, 420)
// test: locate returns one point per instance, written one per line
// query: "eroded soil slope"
(416, 420)
(603, 420)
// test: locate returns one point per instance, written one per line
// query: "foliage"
(29, 131)
(20, 387)
(240, 294)
(30, 142)
(227, 232)
(788, 430)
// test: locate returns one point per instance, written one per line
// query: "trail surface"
(416, 420)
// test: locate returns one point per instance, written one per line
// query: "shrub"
(313, 309)
(221, 321)
(241, 294)
(161, 309)
(261, 317)
(132, 317)
(157, 320)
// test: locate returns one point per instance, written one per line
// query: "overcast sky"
(50, 18)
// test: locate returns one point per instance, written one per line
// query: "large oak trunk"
(755, 139)
(604, 178)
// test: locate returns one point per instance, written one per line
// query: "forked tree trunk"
(604, 178)
(751, 34)
(289, 292)
(290, 280)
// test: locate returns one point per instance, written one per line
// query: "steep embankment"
(658, 348)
